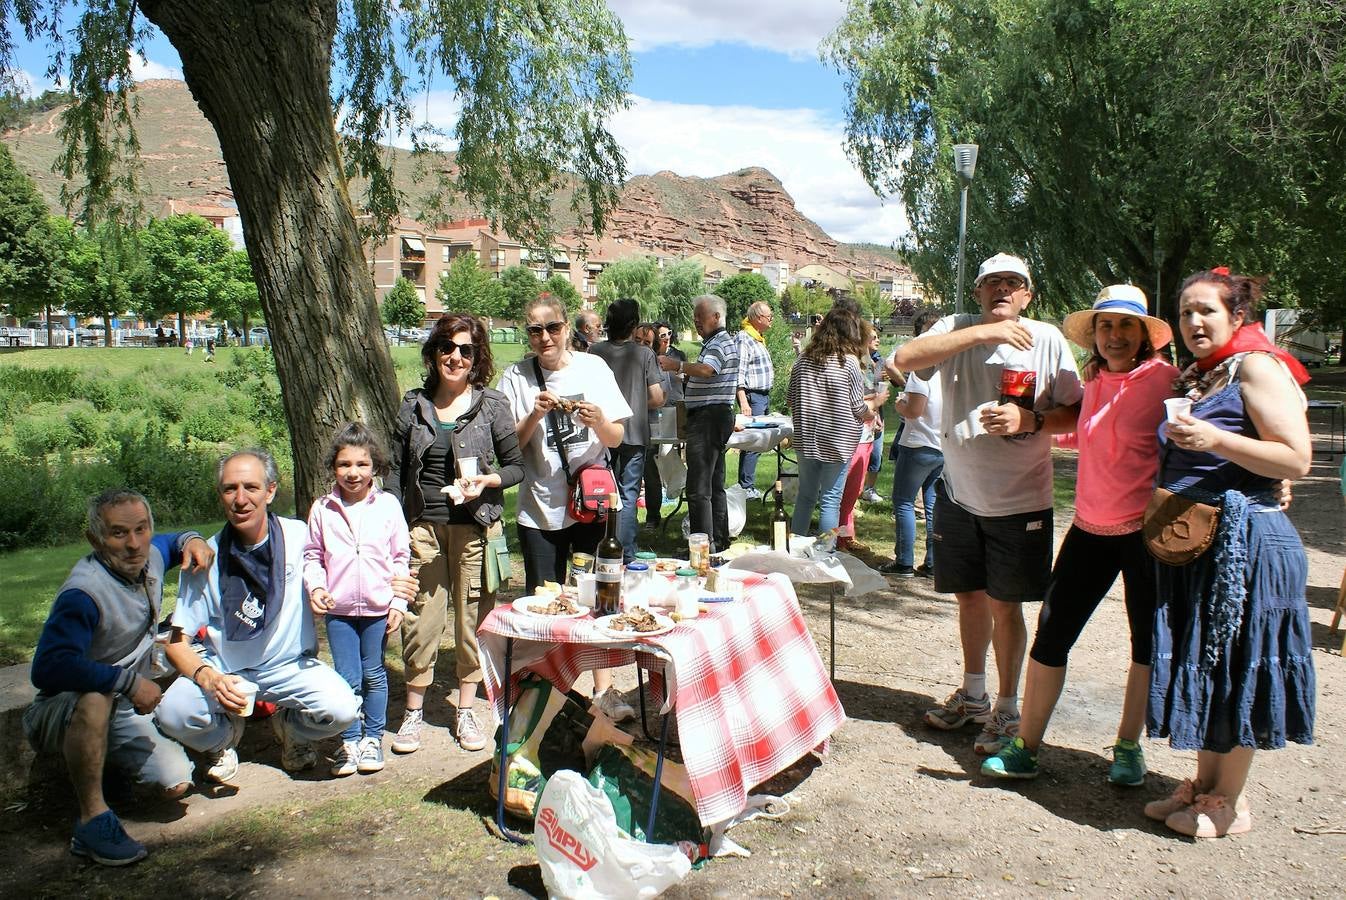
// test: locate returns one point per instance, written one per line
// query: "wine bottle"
(608, 566)
(780, 525)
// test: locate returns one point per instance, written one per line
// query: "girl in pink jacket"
(357, 542)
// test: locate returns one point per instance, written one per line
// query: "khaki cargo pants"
(451, 563)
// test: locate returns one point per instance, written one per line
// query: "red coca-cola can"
(1018, 386)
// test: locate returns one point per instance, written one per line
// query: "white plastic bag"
(585, 856)
(672, 471)
(737, 500)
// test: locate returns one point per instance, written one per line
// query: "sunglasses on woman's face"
(467, 351)
(552, 328)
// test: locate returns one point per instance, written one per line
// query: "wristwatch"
(1038, 419)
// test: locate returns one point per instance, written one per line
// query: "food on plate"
(636, 619)
(667, 565)
(561, 606)
(547, 589)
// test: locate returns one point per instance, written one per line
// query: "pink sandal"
(1212, 816)
(1184, 795)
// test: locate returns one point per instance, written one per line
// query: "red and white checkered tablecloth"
(751, 695)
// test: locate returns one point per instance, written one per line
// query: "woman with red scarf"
(1233, 670)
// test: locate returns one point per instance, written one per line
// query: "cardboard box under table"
(744, 681)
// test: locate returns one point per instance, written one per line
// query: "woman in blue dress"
(1233, 671)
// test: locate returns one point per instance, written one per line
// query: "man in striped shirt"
(712, 382)
(755, 376)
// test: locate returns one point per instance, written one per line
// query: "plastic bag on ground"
(585, 856)
(736, 500)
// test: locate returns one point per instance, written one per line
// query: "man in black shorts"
(993, 509)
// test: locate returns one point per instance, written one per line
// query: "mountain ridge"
(746, 214)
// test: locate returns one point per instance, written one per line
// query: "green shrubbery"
(67, 434)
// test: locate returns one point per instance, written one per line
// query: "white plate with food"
(635, 623)
(669, 567)
(550, 606)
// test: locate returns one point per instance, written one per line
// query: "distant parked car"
(259, 336)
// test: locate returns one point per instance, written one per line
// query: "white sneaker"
(223, 766)
(612, 704)
(468, 732)
(371, 755)
(346, 760)
(295, 756)
(408, 737)
(752, 493)
(997, 732)
(871, 496)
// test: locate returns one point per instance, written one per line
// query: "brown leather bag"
(1177, 529)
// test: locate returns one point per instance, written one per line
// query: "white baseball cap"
(1003, 263)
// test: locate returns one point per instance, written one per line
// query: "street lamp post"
(965, 164)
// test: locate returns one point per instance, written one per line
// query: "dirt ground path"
(897, 809)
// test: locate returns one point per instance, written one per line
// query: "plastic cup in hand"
(1177, 406)
(467, 467)
(249, 691)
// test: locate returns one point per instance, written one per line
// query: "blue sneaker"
(1128, 764)
(1014, 761)
(103, 840)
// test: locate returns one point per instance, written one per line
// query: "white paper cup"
(587, 583)
(1177, 406)
(249, 691)
(467, 466)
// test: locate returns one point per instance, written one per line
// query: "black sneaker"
(896, 568)
(925, 571)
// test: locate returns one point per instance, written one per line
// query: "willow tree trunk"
(261, 74)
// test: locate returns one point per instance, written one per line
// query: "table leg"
(832, 641)
(658, 777)
(640, 688)
(503, 750)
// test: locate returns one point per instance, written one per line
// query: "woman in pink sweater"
(1123, 406)
(357, 542)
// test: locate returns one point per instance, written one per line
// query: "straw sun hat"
(1122, 299)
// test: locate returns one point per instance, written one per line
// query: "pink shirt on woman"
(1119, 450)
(354, 551)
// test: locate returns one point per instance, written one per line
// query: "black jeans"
(546, 554)
(654, 486)
(708, 431)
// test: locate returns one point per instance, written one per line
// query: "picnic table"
(744, 682)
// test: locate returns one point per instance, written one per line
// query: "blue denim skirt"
(1261, 692)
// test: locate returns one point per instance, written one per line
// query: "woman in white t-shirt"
(920, 461)
(585, 384)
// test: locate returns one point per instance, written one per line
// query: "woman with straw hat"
(1123, 406)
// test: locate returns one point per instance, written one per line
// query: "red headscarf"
(1252, 337)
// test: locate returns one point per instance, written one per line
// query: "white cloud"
(144, 69)
(27, 84)
(801, 147)
(794, 27)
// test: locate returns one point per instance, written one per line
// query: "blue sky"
(719, 85)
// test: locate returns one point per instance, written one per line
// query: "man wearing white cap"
(993, 512)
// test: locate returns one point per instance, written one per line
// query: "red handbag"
(590, 489)
(591, 486)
